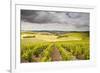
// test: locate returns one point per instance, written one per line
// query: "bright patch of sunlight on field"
(50, 38)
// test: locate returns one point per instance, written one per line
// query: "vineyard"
(39, 50)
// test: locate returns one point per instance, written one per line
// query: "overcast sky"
(50, 20)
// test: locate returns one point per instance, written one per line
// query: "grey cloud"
(43, 17)
(74, 15)
(52, 17)
(75, 19)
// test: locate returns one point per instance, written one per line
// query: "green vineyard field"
(54, 47)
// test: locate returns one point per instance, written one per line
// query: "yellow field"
(47, 46)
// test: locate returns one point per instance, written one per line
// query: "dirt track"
(55, 55)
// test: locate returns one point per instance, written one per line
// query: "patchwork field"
(54, 46)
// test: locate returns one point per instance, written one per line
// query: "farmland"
(48, 46)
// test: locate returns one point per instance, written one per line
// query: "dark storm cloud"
(34, 16)
(42, 16)
(66, 19)
(28, 15)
